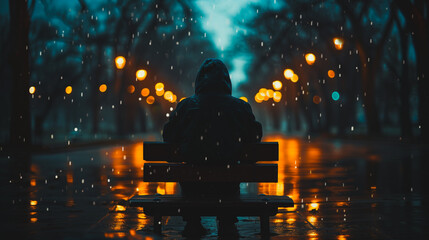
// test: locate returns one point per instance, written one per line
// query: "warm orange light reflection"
(33, 182)
(33, 220)
(313, 206)
(33, 202)
(312, 219)
(244, 99)
(259, 98)
(120, 62)
(270, 93)
(331, 73)
(182, 99)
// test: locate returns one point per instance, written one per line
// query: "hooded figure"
(210, 128)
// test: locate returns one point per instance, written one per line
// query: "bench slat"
(177, 172)
(176, 205)
(161, 151)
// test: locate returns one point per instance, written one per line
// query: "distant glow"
(288, 73)
(244, 99)
(263, 94)
(160, 93)
(69, 89)
(120, 62)
(131, 89)
(145, 92)
(335, 95)
(174, 99)
(270, 93)
(141, 74)
(310, 58)
(331, 73)
(338, 42)
(294, 78)
(102, 88)
(32, 90)
(259, 98)
(33, 202)
(168, 95)
(150, 100)
(159, 86)
(277, 96)
(317, 99)
(277, 85)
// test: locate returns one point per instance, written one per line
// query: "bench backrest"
(180, 172)
(253, 152)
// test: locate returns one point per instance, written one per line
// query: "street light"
(141, 74)
(310, 58)
(69, 89)
(32, 90)
(338, 42)
(159, 87)
(102, 88)
(277, 96)
(288, 73)
(294, 78)
(145, 92)
(277, 85)
(120, 62)
(331, 74)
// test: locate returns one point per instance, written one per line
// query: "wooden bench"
(245, 205)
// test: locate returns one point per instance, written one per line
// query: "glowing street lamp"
(141, 74)
(32, 90)
(310, 58)
(120, 62)
(331, 73)
(288, 73)
(168, 95)
(259, 98)
(277, 85)
(102, 88)
(294, 78)
(131, 88)
(150, 100)
(338, 42)
(277, 96)
(159, 87)
(69, 89)
(145, 92)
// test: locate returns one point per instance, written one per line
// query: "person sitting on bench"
(210, 127)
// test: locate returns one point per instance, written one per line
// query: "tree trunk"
(20, 124)
(405, 90)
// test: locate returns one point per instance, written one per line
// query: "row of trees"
(379, 69)
(76, 46)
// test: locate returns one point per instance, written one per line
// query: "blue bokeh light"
(335, 95)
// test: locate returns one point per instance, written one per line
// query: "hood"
(213, 77)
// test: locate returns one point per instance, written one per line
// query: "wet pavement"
(343, 189)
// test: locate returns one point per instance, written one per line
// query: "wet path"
(342, 190)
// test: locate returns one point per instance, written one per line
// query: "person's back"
(210, 127)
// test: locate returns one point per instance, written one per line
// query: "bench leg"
(265, 225)
(157, 224)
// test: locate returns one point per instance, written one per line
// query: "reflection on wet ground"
(342, 190)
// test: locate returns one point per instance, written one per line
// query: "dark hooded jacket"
(211, 126)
